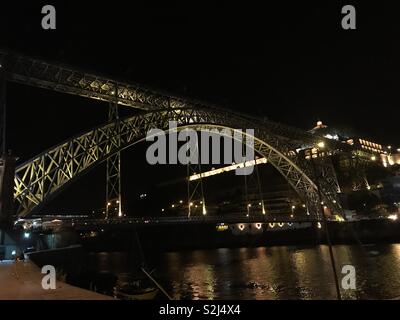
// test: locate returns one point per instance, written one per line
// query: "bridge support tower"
(113, 174)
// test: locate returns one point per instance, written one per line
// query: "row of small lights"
(320, 145)
(248, 205)
(181, 202)
(272, 225)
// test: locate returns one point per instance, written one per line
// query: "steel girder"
(70, 80)
(40, 178)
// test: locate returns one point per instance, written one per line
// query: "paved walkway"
(22, 280)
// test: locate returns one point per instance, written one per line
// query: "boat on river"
(131, 287)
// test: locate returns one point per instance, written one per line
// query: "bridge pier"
(7, 172)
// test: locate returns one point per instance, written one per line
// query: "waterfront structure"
(39, 179)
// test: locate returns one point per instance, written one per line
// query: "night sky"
(290, 62)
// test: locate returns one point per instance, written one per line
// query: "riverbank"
(22, 280)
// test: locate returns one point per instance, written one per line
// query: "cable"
(328, 238)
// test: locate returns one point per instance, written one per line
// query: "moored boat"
(130, 287)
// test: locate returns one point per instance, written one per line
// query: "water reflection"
(281, 272)
(289, 272)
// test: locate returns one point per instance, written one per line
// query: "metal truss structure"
(70, 80)
(253, 185)
(38, 179)
(3, 146)
(195, 190)
(113, 174)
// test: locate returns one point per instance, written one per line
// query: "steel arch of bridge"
(40, 178)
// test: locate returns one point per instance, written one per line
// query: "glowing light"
(258, 226)
(180, 201)
(280, 225)
(222, 227)
(13, 252)
(27, 235)
(319, 226)
(109, 204)
(191, 204)
(249, 205)
(332, 137)
(241, 227)
(162, 210)
(259, 203)
(321, 144)
(339, 218)
(173, 206)
(291, 216)
(271, 225)
(373, 158)
(393, 217)
(226, 169)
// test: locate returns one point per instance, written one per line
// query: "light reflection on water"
(284, 272)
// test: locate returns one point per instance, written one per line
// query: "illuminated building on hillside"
(354, 154)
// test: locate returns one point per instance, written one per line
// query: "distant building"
(354, 154)
(390, 159)
(366, 149)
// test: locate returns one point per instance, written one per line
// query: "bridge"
(89, 224)
(36, 181)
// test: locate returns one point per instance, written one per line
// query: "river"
(281, 272)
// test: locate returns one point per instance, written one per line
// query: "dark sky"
(291, 62)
